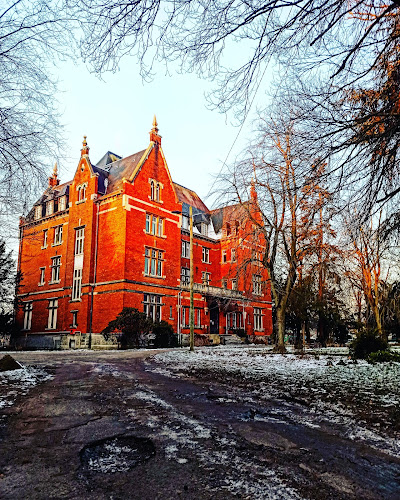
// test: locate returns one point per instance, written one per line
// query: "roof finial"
(85, 147)
(155, 124)
(53, 180)
(55, 169)
(154, 135)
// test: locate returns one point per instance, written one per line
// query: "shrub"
(132, 325)
(164, 335)
(383, 357)
(367, 341)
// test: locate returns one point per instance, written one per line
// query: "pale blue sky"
(116, 114)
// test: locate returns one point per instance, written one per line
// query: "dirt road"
(113, 425)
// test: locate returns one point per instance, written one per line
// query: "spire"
(253, 192)
(154, 135)
(85, 147)
(53, 180)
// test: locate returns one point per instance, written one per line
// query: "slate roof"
(117, 170)
(188, 197)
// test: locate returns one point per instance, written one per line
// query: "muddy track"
(188, 437)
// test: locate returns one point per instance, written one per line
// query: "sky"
(116, 115)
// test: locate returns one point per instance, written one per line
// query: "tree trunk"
(280, 324)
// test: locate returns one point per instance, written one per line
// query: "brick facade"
(117, 236)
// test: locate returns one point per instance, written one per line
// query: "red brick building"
(117, 236)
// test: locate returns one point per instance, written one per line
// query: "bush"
(131, 324)
(164, 335)
(383, 357)
(367, 341)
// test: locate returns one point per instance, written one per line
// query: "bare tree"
(31, 34)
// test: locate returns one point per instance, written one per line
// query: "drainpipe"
(94, 276)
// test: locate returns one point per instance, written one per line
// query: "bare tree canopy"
(344, 36)
(31, 32)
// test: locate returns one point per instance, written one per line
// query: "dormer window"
(81, 193)
(155, 190)
(204, 229)
(185, 222)
(228, 229)
(50, 207)
(38, 212)
(62, 203)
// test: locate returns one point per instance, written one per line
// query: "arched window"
(152, 190)
(158, 192)
(228, 229)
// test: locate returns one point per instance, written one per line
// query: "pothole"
(117, 454)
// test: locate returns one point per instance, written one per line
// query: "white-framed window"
(79, 240)
(186, 249)
(257, 285)
(234, 320)
(38, 212)
(81, 190)
(77, 284)
(185, 320)
(45, 233)
(58, 233)
(185, 222)
(225, 284)
(234, 284)
(154, 225)
(233, 255)
(55, 269)
(62, 203)
(28, 307)
(155, 190)
(50, 207)
(206, 278)
(153, 262)
(197, 317)
(206, 255)
(52, 320)
(185, 275)
(42, 272)
(258, 319)
(152, 305)
(224, 256)
(204, 229)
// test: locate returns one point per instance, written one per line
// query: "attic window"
(155, 190)
(204, 229)
(38, 212)
(62, 203)
(81, 193)
(50, 207)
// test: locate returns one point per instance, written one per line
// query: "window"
(58, 230)
(197, 317)
(204, 229)
(185, 276)
(258, 324)
(74, 322)
(185, 249)
(38, 212)
(257, 286)
(41, 276)
(234, 320)
(52, 321)
(77, 284)
(185, 322)
(206, 255)
(62, 203)
(155, 190)
(79, 240)
(50, 207)
(234, 284)
(44, 238)
(153, 262)
(233, 255)
(228, 229)
(170, 313)
(185, 317)
(185, 222)
(236, 228)
(224, 256)
(81, 192)
(225, 284)
(152, 306)
(55, 269)
(154, 225)
(28, 306)
(206, 278)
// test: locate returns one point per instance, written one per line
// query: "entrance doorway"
(214, 318)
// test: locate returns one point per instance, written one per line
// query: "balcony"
(214, 291)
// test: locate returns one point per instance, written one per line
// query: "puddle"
(117, 454)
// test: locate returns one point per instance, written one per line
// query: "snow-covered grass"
(360, 399)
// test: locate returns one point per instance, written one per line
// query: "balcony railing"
(214, 291)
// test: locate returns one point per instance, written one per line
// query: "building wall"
(113, 261)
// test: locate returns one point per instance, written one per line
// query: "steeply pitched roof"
(108, 158)
(120, 169)
(188, 197)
